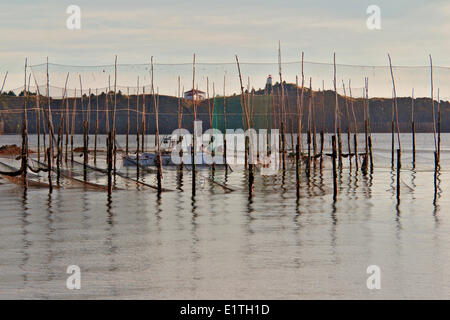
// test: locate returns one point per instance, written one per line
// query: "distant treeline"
(265, 109)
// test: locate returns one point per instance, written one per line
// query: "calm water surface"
(223, 245)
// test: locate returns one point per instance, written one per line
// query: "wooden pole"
(66, 97)
(81, 101)
(308, 166)
(67, 127)
(368, 126)
(73, 125)
(322, 131)
(355, 135)
(439, 130)
(349, 148)
(364, 165)
(337, 127)
(49, 167)
(114, 118)
(107, 106)
(399, 166)
(335, 189)
(297, 170)
(300, 111)
(143, 128)
(109, 150)
(245, 109)
(297, 148)
(85, 153)
(49, 119)
(314, 128)
(24, 159)
(396, 107)
(59, 149)
(194, 140)
(137, 129)
(128, 120)
(88, 118)
(225, 126)
(436, 162)
(158, 150)
(413, 130)
(38, 122)
(283, 137)
(96, 129)
(4, 80)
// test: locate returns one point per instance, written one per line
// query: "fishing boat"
(146, 159)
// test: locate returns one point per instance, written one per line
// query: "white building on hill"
(194, 94)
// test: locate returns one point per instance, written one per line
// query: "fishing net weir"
(254, 75)
(220, 83)
(218, 80)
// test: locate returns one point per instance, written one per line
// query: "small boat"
(147, 159)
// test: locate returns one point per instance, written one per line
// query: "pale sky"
(172, 30)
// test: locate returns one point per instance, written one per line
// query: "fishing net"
(228, 112)
(174, 79)
(221, 82)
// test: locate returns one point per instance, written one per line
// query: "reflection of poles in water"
(437, 188)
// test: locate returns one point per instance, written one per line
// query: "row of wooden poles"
(279, 119)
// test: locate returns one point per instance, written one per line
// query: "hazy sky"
(172, 30)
